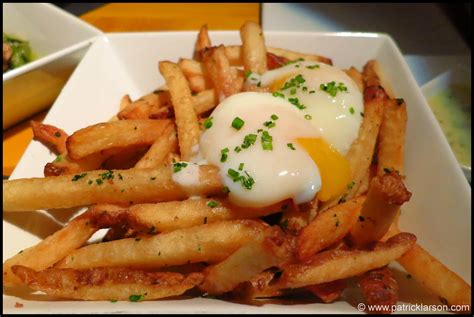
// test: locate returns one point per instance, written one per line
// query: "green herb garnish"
(208, 123)
(267, 141)
(332, 89)
(237, 123)
(290, 145)
(177, 167)
(77, 177)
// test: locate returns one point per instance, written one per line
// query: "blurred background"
(434, 37)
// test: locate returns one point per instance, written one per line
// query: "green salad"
(16, 52)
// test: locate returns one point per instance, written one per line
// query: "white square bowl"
(58, 40)
(117, 64)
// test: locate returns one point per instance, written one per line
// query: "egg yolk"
(333, 167)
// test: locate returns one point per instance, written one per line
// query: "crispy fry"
(254, 52)
(391, 140)
(52, 137)
(112, 135)
(183, 104)
(356, 76)
(203, 41)
(63, 165)
(435, 276)
(50, 250)
(107, 283)
(379, 288)
(173, 215)
(333, 265)
(154, 105)
(206, 243)
(267, 250)
(373, 76)
(290, 55)
(116, 187)
(362, 149)
(386, 194)
(156, 155)
(220, 72)
(328, 292)
(205, 101)
(328, 228)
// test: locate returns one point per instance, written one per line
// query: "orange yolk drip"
(333, 167)
(279, 83)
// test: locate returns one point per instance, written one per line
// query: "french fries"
(49, 251)
(51, 136)
(362, 149)
(112, 135)
(265, 251)
(173, 215)
(220, 72)
(333, 265)
(202, 42)
(156, 156)
(391, 141)
(386, 194)
(171, 227)
(104, 186)
(205, 243)
(110, 284)
(254, 52)
(328, 228)
(183, 104)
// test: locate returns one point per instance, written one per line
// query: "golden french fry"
(386, 194)
(49, 251)
(328, 292)
(52, 137)
(294, 218)
(102, 186)
(254, 52)
(257, 287)
(158, 152)
(153, 105)
(220, 72)
(333, 265)
(373, 76)
(267, 250)
(295, 55)
(362, 149)
(64, 165)
(435, 276)
(112, 135)
(356, 76)
(206, 243)
(328, 228)
(202, 42)
(391, 140)
(205, 101)
(183, 104)
(172, 215)
(110, 284)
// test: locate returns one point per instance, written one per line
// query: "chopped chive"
(267, 140)
(308, 117)
(212, 204)
(290, 145)
(177, 167)
(241, 166)
(249, 140)
(58, 159)
(362, 114)
(237, 123)
(57, 134)
(293, 91)
(237, 149)
(136, 298)
(99, 181)
(332, 88)
(269, 124)
(77, 177)
(312, 66)
(351, 110)
(274, 117)
(278, 94)
(248, 74)
(208, 123)
(224, 154)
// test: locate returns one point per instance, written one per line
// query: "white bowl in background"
(455, 83)
(58, 40)
(439, 212)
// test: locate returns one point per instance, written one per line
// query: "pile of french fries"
(163, 241)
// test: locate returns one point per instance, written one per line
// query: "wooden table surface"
(136, 17)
